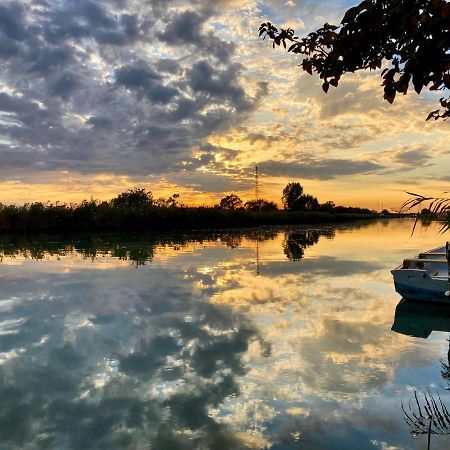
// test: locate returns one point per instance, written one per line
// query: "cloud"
(318, 169)
(145, 81)
(136, 365)
(186, 28)
(100, 122)
(137, 89)
(65, 85)
(82, 70)
(402, 157)
(411, 157)
(11, 21)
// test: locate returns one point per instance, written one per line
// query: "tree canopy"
(411, 35)
(294, 199)
(133, 198)
(292, 193)
(260, 205)
(231, 201)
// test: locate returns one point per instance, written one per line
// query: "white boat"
(425, 277)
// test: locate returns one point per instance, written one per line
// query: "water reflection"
(193, 351)
(425, 413)
(295, 242)
(78, 376)
(419, 319)
(140, 249)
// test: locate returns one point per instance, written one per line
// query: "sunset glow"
(97, 97)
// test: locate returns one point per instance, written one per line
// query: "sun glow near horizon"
(193, 105)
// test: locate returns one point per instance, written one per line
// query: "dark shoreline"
(62, 219)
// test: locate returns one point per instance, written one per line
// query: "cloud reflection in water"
(193, 350)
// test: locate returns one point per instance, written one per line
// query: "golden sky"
(97, 97)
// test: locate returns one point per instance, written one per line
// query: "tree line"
(137, 209)
(293, 199)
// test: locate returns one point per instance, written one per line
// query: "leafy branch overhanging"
(412, 35)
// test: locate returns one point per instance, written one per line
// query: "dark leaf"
(432, 114)
(334, 82)
(389, 94)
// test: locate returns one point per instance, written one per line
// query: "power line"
(256, 183)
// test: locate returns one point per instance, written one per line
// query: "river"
(255, 339)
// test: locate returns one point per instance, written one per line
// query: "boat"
(425, 277)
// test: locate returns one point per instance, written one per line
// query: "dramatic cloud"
(80, 75)
(140, 89)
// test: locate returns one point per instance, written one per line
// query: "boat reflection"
(419, 319)
(425, 413)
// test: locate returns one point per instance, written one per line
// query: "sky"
(100, 96)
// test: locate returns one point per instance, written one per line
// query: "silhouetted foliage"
(310, 203)
(133, 198)
(295, 200)
(292, 194)
(326, 207)
(136, 210)
(103, 216)
(412, 35)
(260, 205)
(437, 207)
(231, 201)
(170, 202)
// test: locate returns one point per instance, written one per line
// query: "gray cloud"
(11, 21)
(137, 76)
(412, 158)
(65, 85)
(146, 81)
(219, 84)
(85, 18)
(76, 69)
(47, 59)
(186, 29)
(324, 169)
(100, 122)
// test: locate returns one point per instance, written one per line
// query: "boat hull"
(419, 285)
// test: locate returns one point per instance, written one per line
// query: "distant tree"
(133, 198)
(295, 200)
(170, 202)
(231, 201)
(173, 202)
(327, 207)
(260, 205)
(292, 195)
(411, 35)
(309, 203)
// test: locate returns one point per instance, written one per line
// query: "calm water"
(277, 339)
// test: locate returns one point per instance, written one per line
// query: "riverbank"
(49, 219)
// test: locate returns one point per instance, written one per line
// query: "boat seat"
(431, 255)
(419, 263)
